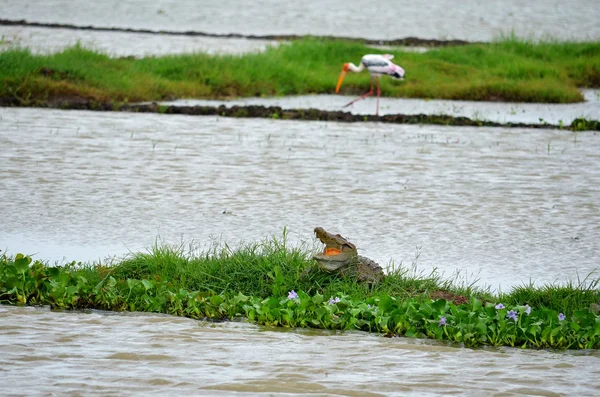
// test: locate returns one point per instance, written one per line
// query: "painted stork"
(377, 65)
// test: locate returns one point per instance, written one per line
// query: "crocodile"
(341, 256)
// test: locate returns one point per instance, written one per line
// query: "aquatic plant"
(473, 323)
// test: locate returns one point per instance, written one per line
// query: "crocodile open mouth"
(331, 251)
(332, 259)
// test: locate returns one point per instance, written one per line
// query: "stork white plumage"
(377, 65)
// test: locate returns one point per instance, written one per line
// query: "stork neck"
(353, 68)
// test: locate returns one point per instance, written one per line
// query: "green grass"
(272, 268)
(508, 69)
(256, 281)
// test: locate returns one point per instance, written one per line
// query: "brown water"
(502, 205)
(386, 19)
(100, 353)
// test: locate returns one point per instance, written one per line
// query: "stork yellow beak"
(339, 84)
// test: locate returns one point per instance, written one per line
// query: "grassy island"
(508, 69)
(266, 283)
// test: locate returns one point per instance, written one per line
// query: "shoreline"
(279, 113)
(405, 41)
(167, 281)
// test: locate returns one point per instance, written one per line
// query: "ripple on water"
(139, 357)
(121, 361)
(441, 19)
(489, 207)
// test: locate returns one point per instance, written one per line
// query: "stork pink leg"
(378, 94)
(364, 95)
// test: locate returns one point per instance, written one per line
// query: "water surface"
(472, 20)
(46, 41)
(501, 112)
(506, 205)
(99, 353)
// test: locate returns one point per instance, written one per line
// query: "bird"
(377, 65)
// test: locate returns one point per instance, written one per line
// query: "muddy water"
(501, 112)
(99, 353)
(504, 206)
(386, 19)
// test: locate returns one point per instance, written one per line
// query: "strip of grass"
(509, 69)
(267, 283)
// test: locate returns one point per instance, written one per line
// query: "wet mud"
(407, 41)
(276, 112)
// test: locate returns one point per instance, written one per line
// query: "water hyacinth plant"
(479, 321)
(512, 315)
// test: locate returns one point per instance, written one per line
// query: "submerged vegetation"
(508, 69)
(266, 283)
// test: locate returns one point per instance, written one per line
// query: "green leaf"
(574, 326)
(72, 290)
(320, 311)
(111, 282)
(481, 328)
(476, 304)
(439, 305)
(555, 331)
(241, 297)
(355, 312)
(147, 284)
(385, 303)
(318, 299)
(22, 263)
(533, 330)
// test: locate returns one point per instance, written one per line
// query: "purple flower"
(333, 301)
(292, 295)
(527, 310)
(512, 315)
(442, 321)
(499, 306)
(561, 317)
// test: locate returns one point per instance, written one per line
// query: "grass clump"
(508, 69)
(267, 283)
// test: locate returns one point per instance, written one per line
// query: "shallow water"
(99, 353)
(503, 205)
(473, 20)
(501, 112)
(45, 40)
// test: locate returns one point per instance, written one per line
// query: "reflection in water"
(506, 205)
(47, 352)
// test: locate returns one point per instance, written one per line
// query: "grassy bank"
(509, 69)
(267, 284)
